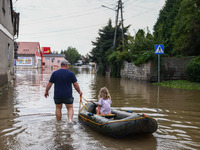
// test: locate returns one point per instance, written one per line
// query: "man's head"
(64, 63)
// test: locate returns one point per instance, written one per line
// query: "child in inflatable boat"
(104, 102)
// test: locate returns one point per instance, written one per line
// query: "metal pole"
(116, 22)
(121, 7)
(158, 68)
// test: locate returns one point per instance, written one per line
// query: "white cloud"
(63, 23)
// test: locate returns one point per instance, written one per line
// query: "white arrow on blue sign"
(159, 49)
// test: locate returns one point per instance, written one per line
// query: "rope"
(87, 100)
(81, 103)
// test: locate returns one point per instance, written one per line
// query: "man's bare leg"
(58, 111)
(70, 112)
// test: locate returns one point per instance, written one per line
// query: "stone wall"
(171, 69)
(174, 68)
(131, 71)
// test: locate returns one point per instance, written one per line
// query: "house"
(29, 55)
(9, 25)
(52, 60)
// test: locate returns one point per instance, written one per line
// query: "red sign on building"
(46, 50)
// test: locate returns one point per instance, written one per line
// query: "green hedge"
(193, 70)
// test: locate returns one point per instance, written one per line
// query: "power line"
(106, 2)
(118, 10)
(128, 4)
(89, 12)
(49, 32)
(60, 34)
(140, 13)
(126, 1)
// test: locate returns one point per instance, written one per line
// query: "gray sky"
(62, 23)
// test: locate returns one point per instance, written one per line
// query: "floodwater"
(27, 120)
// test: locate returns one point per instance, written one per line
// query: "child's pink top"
(105, 105)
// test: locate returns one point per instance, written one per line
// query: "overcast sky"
(62, 23)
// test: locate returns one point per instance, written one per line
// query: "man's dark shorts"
(64, 100)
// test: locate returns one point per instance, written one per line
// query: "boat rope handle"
(87, 100)
(80, 105)
(80, 109)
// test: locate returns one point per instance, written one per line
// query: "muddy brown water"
(27, 120)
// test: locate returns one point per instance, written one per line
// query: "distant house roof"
(28, 47)
(53, 55)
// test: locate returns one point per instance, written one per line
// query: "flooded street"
(27, 119)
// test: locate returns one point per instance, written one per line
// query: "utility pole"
(119, 8)
(122, 20)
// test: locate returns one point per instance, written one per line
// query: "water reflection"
(82, 70)
(7, 114)
(28, 120)
(63, 136)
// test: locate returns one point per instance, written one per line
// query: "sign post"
(159, 49)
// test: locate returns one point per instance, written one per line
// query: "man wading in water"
(63, 80)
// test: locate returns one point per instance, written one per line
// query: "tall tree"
(103, 46)
(103, 52)
(164, 24)
(141, 42)
(141, 47)
(186, 30)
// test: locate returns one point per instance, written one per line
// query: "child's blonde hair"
(104, 93)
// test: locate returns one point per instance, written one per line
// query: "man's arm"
(47, 89)
(76, 86)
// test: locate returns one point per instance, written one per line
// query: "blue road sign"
(159, 49)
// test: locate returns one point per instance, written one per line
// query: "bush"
(143, 57)
(193, 70)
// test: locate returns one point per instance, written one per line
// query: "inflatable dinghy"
(118, 123)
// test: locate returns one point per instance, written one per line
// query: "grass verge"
(180, 84)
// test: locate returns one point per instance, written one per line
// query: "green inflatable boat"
(118, 124)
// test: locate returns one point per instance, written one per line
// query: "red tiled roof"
(28, 47)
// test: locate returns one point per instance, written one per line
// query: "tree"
(140, 47)
(87, 58)
(142, 42)
(186, 30)
(54, 52)
(164, 24)
(103, 49)
(71, 54)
